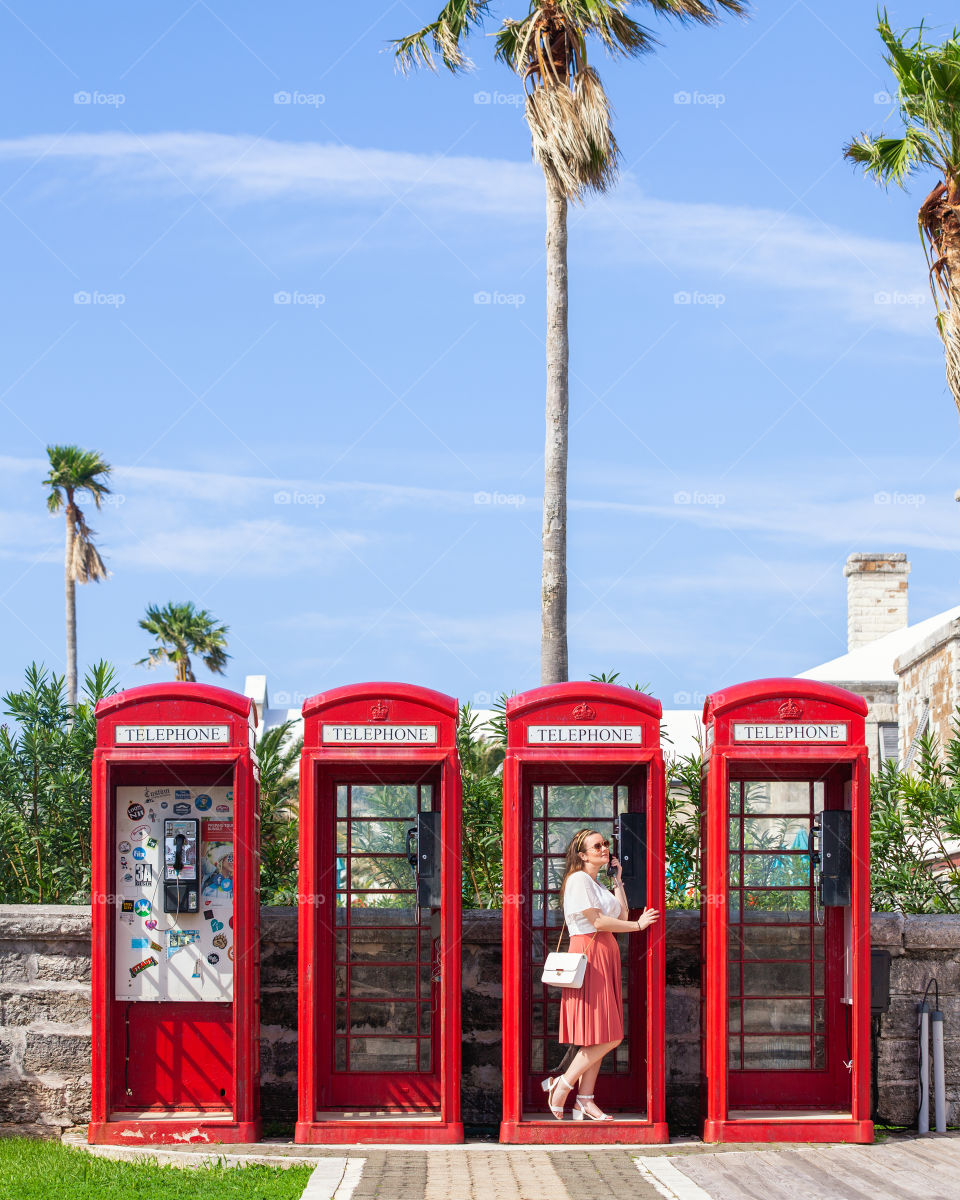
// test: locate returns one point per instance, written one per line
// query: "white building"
(908, 674)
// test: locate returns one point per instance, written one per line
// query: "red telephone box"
(176, 918)
(785, 916)
(380, 917)
(581, 754)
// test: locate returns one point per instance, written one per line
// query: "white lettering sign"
(584, 735)
(424, 735)
(808, 731)
(156, 735)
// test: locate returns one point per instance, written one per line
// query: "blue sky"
(270, 317)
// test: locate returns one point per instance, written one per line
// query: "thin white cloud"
(242, 548)
(880, 518)
(708, 246)
(153, 515)
(467, 632)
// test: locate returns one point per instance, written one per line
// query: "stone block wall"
(876, 596)
(929, 673)
(882, 709)
(45, 1015)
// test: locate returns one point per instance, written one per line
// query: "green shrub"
(682, 832)
(482, 835)
(45, 768)
(914, 828)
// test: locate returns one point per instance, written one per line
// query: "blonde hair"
(573, 861)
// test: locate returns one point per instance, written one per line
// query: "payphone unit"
(181, 888)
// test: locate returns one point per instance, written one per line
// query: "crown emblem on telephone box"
(584, 712)
(379, 710)
(789, 710)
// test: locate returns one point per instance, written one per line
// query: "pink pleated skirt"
(593, 1013)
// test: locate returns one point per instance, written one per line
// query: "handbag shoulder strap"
(563, 929)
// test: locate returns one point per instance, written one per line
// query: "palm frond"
(571, 134)
(891, 160)
(86, 565)
(442, 37)
(606, 19)
(511, 41)
(74, 470)
(704, 12)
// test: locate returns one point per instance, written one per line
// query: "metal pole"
(939, 1088)
(923, 1117)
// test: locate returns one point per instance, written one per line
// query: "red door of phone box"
(379, 1054)
(175, 918)
(579, 755)
(785, 981)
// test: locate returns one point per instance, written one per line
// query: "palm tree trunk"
(71, 598)
(950, 330)
(553, 589)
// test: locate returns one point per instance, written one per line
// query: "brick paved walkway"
(903, 1167)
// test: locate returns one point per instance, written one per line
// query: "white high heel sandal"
(549, 1085)
(580, 1113)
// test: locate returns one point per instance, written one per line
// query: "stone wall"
(45, 1015)
(882, 699)
(929, 673)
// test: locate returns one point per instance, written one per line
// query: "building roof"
(873, 663)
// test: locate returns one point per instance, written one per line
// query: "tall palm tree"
(73, 470)
(928, 99)
(182, 630)
(568, 114)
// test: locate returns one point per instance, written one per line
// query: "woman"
(591, 1016)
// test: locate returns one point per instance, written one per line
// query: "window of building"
(888, 741)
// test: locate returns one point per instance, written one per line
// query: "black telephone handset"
(831, 857)
(610, 868)
(181, 865)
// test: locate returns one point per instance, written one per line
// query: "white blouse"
(582, 893)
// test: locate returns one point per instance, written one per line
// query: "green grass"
(38, 1170)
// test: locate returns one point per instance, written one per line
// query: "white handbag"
(564, 970)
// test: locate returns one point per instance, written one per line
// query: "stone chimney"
(876, 596)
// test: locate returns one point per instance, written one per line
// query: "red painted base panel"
(382, 1132)
(172, 1131)
(569, 1132)
(807, 1130)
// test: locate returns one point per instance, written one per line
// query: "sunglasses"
(604, 845)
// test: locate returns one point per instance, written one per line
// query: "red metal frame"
(229, 1048)
(798, 1106)
(386, 1107)
(581, 706)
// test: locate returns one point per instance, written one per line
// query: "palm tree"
(928, 99)
(182, 630)
(73, 470)
(568, 114)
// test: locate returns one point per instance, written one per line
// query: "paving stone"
(601, 1175)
